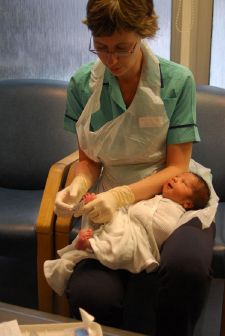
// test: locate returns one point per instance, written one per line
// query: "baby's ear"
(188, 204)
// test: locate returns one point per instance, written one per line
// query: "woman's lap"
(98, 290)
(169, 300)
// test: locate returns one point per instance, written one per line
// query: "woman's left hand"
(102, 208)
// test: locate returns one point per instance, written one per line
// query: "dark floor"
(209, 323)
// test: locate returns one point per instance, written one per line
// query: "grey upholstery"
(31, 140)
(210, 152)
(31, 122)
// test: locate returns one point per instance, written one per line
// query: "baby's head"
(188, 189)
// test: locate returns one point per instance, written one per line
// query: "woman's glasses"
(104, 52)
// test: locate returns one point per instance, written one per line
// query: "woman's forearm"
(178, 158)
(87, 168)
(152, 185)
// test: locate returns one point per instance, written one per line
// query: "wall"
(191, 36)
(217, 70)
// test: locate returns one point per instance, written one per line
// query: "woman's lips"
(114, 69)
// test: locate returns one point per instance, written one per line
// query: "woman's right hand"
(68, 197)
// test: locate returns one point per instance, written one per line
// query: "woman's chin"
(115, 71)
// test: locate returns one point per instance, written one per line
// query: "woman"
(134, 116)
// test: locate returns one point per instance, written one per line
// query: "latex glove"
(102, 208)
(69, 197)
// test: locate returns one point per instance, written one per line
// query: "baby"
(132, 240)
(189, 190)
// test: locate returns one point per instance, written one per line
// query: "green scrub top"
(178, 93)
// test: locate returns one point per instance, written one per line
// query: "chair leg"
(222, 328)
(61, 306)
(44, 251)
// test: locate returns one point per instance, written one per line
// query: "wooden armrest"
(55, 181)
(45, 226)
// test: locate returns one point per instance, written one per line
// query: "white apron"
(133, 145)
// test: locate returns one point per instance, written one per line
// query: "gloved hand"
(67, 198)
(102, 208)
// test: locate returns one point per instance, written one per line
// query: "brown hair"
(201, 194)
(104, 17)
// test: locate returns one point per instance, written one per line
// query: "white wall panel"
(217, 71)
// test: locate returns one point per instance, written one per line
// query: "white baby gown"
(130, 241)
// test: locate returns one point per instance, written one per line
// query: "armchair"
(209, 152)
(32, 139)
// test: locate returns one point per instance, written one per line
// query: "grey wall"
(42, 38)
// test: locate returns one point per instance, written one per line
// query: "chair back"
(210, 152)
(32, 137)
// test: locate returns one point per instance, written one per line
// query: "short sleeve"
(179, 97)
(78, 93)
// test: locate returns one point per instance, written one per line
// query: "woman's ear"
(187, 204)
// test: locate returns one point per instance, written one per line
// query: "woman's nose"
(111, 59)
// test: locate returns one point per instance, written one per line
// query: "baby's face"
(180, 188)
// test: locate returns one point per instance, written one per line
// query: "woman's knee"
(97, 290)
(186, 272)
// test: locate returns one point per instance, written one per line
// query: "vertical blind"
(46, 39)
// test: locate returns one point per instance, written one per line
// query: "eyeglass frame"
(112, 53)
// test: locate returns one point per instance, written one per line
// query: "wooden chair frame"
(45, 227)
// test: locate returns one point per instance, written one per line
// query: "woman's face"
(111, 48)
